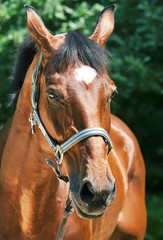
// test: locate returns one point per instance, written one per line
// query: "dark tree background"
(136, 47)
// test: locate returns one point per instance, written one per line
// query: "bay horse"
(62, 114)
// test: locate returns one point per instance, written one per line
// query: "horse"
(63, 143)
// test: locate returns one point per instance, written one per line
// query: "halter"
(60, 150)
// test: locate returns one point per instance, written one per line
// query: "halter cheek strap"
(36, 120)
(59, 150)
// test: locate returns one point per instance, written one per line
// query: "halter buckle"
(33, 121)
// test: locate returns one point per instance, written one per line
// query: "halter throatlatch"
(59, 150)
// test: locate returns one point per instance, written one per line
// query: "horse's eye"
(113, 94)
(52, 95)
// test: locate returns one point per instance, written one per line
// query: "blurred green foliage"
(136, 47)
(154, 204)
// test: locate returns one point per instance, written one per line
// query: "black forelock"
(77, 48)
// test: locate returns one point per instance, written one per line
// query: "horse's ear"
(104, 26)
(45, 40)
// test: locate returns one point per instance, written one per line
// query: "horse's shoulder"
(126, 147)
(120, 127)
(4, 132)
(127, 150)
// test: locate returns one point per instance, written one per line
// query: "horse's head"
(75, 92)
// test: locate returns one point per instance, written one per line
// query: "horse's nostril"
(87, 193)
(108, 194)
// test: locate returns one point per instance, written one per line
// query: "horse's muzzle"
(90, 201)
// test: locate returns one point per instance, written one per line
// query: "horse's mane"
(76, 48)
(24, 56)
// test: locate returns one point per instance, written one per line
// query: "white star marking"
(85, 74)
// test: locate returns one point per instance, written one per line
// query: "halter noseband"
(59, 150)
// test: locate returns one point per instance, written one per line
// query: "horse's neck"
(22, 148)
(25, 176)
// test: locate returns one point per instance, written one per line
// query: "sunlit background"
(136, 48)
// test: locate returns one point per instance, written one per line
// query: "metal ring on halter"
(59, 154)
